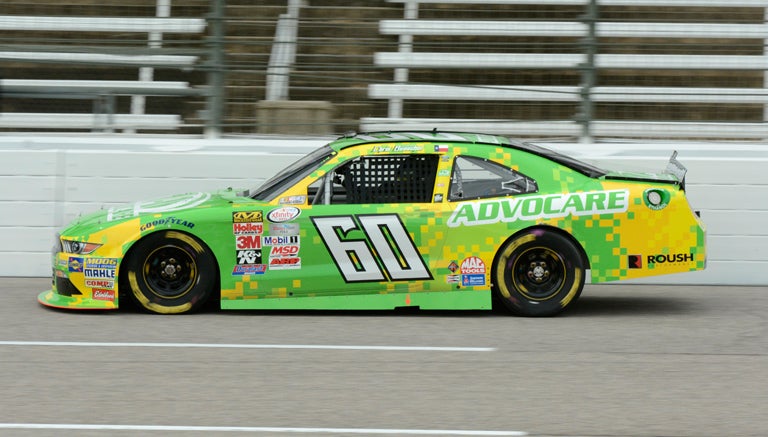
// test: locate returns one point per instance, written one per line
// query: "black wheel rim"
(170, 272)
(539, 273)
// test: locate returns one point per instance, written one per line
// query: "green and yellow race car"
(431, 220)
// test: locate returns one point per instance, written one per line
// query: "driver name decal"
(512, 209)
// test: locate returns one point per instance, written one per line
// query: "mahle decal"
(536, 207)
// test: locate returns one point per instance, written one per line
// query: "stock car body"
(433, 220)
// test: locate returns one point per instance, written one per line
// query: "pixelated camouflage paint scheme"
(635, 242)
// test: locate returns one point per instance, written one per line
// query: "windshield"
(292, 174)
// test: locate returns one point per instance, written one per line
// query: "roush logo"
(635, 261)
(669, 258)
(283, 214)
(288, 250)
(247, 228)
(247, 216)
(99, 294)
(249, 242)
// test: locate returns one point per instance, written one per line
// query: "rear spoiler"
(676, 169)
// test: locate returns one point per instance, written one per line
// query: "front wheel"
(170, 272)
(538, 273)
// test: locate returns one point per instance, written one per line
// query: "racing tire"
(170, 272)
(538, 273)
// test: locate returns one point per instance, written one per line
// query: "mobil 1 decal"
(371, 248)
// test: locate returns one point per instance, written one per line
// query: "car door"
(367, 225)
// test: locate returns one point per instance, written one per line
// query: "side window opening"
(476, 178)
(379, 179)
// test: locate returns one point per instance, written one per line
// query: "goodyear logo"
(247, 216)
(537, 207)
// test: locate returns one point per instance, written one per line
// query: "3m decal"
(385, 253)
(247, 217)
(283, 214)
(535, 207)
(248, 241)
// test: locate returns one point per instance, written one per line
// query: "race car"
(384, 220)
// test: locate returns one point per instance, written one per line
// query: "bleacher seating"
(101, 92)
(407, 58)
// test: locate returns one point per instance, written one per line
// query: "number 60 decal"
(387, 253)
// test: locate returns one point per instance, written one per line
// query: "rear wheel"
(170, 272)
(538, 273)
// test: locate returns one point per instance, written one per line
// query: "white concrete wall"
(46, 181)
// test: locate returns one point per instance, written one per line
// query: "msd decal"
(287, 250)
(537, 207)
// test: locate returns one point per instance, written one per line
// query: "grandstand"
(679, 69)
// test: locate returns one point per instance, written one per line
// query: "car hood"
(167, 205)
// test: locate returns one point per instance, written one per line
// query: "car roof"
(355, 139)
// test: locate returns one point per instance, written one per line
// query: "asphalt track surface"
(625, 361)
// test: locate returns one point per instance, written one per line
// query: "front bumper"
(73, 288)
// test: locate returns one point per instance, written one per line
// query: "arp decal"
(386, 253)
(282, 263)
(535, 207)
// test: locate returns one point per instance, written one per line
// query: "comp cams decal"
(535, 207)
(385, 252)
